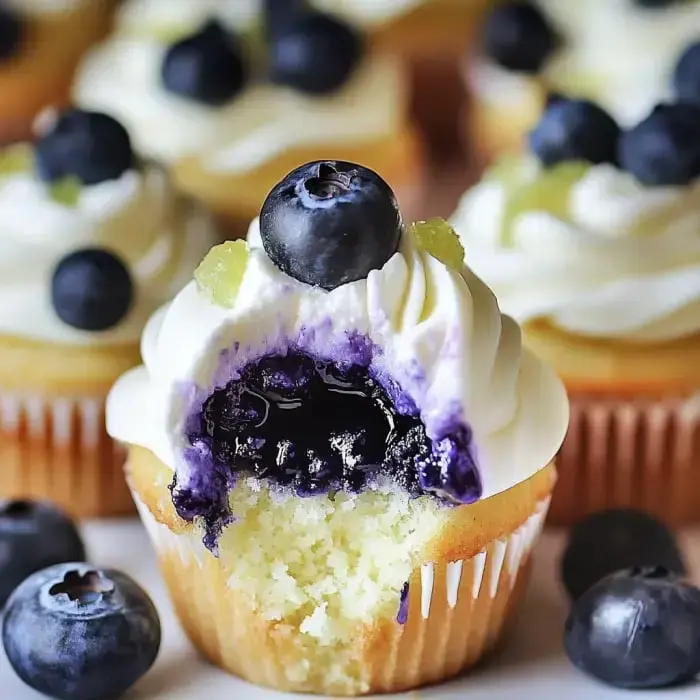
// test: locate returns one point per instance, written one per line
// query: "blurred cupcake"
(592, 243)
(40, 45)
(340, 450)
(230, 108)
(90, 244)
(625, 55)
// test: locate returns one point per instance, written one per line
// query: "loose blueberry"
(664, 149)
(314, 53)
(686, 76)
(208, 67)
(518, 36)
(638, 628)
(575, 130)
(611, 540)
(33, 536)
(90, 146)
(91, 289)
(330, 222)
(11, 32)
(76, 633)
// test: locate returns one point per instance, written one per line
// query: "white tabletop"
(533, 662)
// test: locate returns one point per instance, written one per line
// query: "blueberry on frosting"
(313, 52)
(11, 30)
(278, 13)
(91, 289)
(519, 37)
(575, 130)
(330, 222)
(207, 67)
(686, 76)
(664, 149)
(90, 146)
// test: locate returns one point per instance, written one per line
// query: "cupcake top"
(235, 87)
(326, 362)
(622, 54)
(371, 13)
(91, 242)
(595, 229)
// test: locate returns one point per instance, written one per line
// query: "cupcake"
(91, 243)
(230, 100)
(40, 45)
(339, 448)
(591, 241)
(625, 55)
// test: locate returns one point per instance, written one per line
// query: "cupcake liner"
(630, 452)
(57, 448)
(456, 612)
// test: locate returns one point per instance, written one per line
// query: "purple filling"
(402, 615)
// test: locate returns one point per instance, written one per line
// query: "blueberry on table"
(11, 31)
(91, 289)
(616, 539)
(575, 130)
(686, 76)
(208, 67)
(90, 146)
(77, 633)
(33, 535)
(330, 222)
(638, 628)
(518, 36)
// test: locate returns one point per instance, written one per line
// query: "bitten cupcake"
(40, 45)
(339, 447)
(230, 108)
(591, 241)
(625, 55)
(91, 243)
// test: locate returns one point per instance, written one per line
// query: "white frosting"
(159, 237)
(441, 336)
(40, 7)
(623, 263)
(614, 52)
(370, 13)
(122, 77)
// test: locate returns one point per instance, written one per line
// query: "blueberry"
(11, 33)
(329, 222)
(277, 14)
(638, 628)
(88, 145)
(686, 76)
(313, 52)
(616, 539)
(572, 130)
(76, 633)
(33, 536)
(517, 36)
(208, 67)
(91, 289)
(664, 149)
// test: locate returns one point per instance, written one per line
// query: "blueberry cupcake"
(40, 45)
(339, 448)
(229, 101)
(91, 242)
(591, 241)
(625, 55)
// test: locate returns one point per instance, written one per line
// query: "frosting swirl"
(602, 256)
(436, 332)
(160, 238)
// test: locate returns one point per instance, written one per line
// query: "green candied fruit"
(437, 237)
(219, 275)
(16, 159)
(66, 191)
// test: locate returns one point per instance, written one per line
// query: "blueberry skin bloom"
(76, 633)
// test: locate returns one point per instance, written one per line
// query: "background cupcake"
(91, 243)
(40, 46)
(387, 498)
(229, 108)
(592, 242)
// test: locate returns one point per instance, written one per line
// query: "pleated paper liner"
(623, 452)
(57, 449)
(457, 612)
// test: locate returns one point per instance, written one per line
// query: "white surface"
(532, 664)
